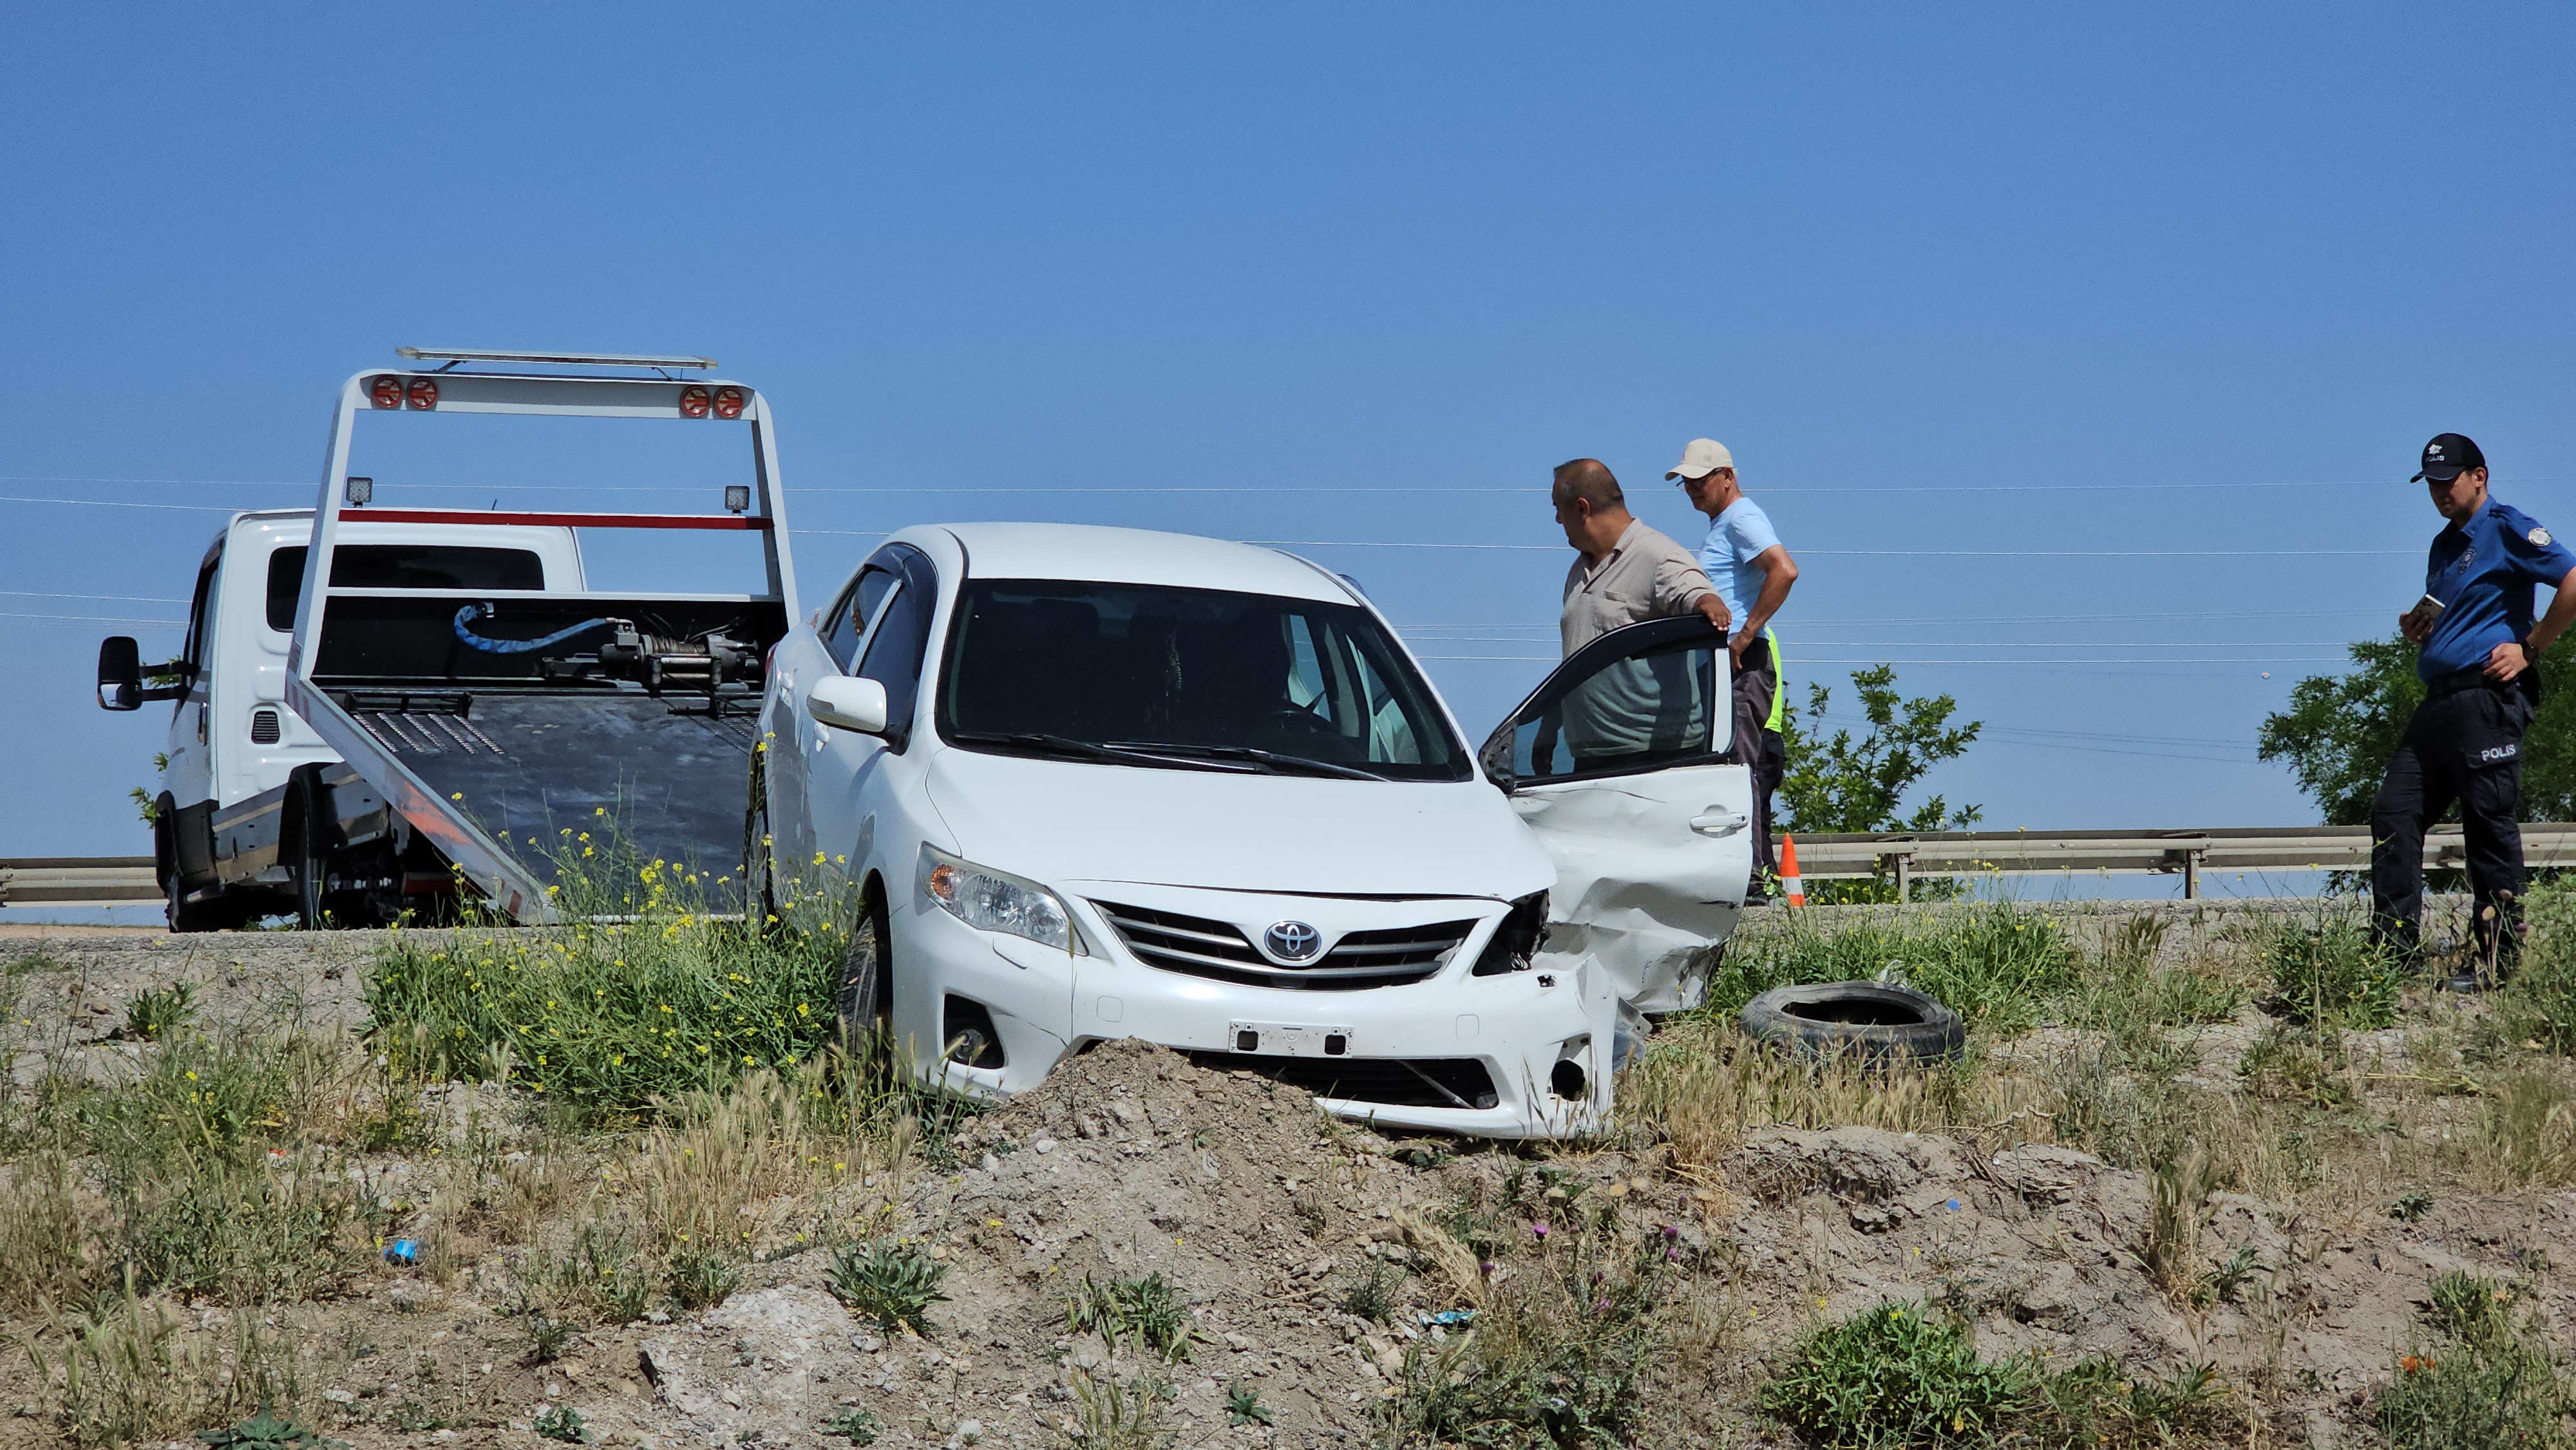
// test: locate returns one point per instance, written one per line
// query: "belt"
(2474, 678)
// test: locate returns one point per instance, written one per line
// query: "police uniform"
(2464, 742)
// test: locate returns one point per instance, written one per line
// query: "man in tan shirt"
(1626, 573)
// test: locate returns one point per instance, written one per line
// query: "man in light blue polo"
(1752, 572)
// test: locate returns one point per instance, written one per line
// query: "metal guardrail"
(115, 880)
(77, 880)
(2187, 853)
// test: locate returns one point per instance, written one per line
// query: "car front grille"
(1201, 947)
(1395, 1082)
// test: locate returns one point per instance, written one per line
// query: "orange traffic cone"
(1790, 885)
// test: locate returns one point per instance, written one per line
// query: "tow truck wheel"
(866, 998)
(311, 867)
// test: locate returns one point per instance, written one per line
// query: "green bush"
(1997, 965)
(890, 1281)
(2327, 970)
(1893, 1375)
(606, 1015)
(1896, 1376)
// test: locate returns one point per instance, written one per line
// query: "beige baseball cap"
(1703, 457)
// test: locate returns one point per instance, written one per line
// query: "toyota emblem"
(1293, 941)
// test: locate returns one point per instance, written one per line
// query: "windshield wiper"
(1269, 759)
(1067, 745)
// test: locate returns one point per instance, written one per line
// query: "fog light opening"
(968, 1030)
(1566, 1080)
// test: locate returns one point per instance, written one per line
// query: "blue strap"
(473, 612)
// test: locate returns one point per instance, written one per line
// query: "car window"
(1660, 705)
(1202, 673)
(896, 642)
(402, 566)
(201, 621)
(848, 623)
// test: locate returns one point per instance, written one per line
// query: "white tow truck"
(378, 707)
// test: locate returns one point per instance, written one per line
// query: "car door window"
(201, 622)
(896, 642)
(848, 624)
(1659, 701)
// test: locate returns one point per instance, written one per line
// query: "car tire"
(759, 897)
(865, 1004)
(1869, 1020)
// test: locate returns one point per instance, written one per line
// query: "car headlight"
(991, 900)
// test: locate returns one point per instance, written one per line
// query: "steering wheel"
(1301, 718)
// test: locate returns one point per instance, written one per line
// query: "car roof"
(1140, 556)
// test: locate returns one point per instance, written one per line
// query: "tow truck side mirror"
(120, 673)
(848, 702)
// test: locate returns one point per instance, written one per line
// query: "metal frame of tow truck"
(505, 884)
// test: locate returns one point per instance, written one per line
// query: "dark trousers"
(2464, 744)
(1757, 747)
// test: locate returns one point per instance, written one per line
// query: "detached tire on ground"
(1860, 1019)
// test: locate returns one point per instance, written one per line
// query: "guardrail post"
(2191, 875)
(1904, 877)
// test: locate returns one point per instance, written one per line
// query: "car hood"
(1068, 822)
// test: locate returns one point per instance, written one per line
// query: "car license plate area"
(1288, 1039)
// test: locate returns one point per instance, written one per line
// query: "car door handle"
(1719, 821)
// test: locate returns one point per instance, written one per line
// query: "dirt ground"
(1263, 1213)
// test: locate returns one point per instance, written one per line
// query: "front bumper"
(1523, 1054)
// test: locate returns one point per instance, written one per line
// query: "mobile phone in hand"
(2429, 607)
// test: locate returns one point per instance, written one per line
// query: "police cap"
(2448, 456)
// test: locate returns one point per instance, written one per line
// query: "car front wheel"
(867, 997)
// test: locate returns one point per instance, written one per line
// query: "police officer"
(2476, 655)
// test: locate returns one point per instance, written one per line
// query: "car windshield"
(1188, 678)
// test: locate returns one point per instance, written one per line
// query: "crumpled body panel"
(1651, 874)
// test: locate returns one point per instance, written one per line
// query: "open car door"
(1616, 761)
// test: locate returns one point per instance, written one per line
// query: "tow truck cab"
(236, 752)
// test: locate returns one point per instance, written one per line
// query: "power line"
(1929, 490)
(119, 598)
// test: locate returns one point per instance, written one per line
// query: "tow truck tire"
(867, 999)
(310, 865)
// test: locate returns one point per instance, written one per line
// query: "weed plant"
(2326, 971)
(1560, 1350)
(153, 1015)
(1109, 1415)
(1147, 1309)
(646, 996)
(1998, 965)
(561, 1422)
(854, 1424)
(890, 1281)
(2527, 1129)
(2492, 1380)
(2538, 1004)
(264, 1431)
(701, 1279)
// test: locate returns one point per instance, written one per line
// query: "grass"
(1997, 965)
(889, 1280)
(1113, 1415)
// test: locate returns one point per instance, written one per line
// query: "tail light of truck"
(386, 391)
(423, 394)
(694, 402)
(729, 402)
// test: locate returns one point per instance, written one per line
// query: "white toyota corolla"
(1099, 783)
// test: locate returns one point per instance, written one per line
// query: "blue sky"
(2079, 353)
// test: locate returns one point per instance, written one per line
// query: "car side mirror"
(849, 702)
(120, 673)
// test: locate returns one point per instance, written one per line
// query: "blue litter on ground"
(1952, 1205)
(1450, 1318)
(403, 1251)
